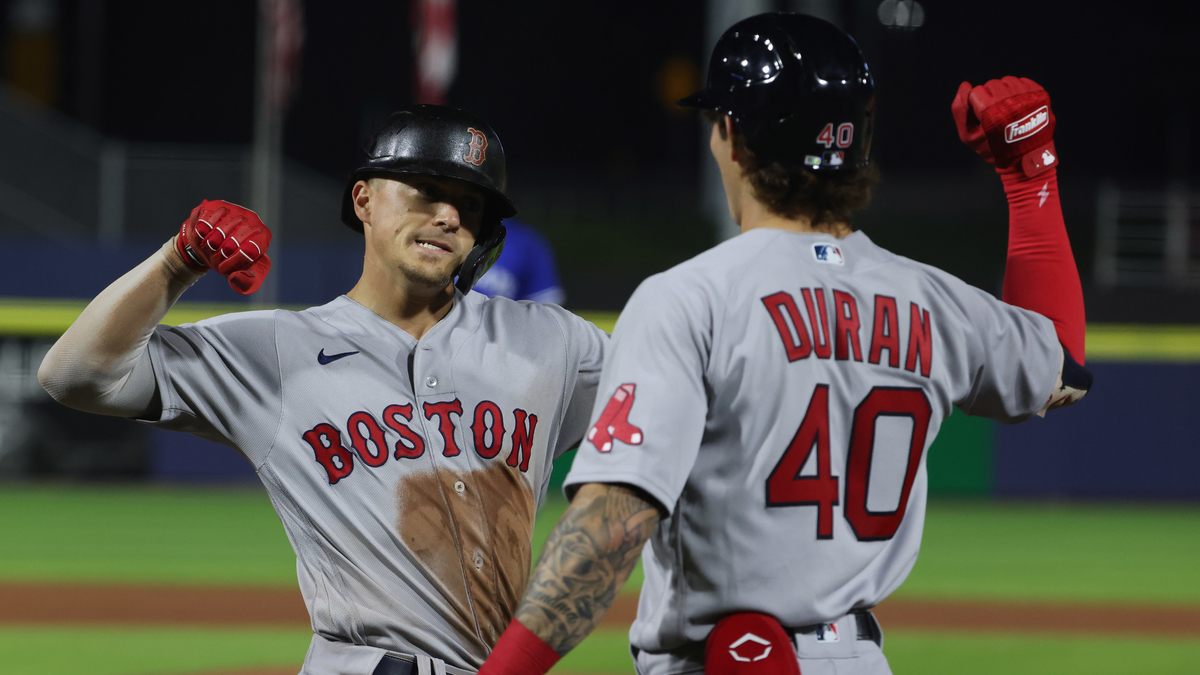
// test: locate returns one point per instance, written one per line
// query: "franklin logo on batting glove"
(1028, 125)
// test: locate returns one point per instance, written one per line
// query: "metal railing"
(1147, 238)
(62, 181)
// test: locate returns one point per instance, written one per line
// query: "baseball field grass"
(1051, 569)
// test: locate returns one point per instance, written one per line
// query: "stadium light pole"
(718, 17)
(280, 39)
(266, 162)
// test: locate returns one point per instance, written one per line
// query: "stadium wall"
(1133, 438)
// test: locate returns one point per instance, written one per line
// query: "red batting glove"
(228, 238)
(1009, 123)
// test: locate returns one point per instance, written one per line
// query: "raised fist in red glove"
(1009, 123)
(228, 238)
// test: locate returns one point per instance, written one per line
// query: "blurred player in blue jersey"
(525, 270)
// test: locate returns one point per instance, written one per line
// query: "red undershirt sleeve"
(1040, 274)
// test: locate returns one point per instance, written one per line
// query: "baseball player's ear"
(361, 196)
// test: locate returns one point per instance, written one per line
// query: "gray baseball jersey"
(776, 394)
(406, 472)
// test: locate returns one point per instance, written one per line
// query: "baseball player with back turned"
(767, 406)
(404, 431)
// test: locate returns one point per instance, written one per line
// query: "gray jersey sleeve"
(667, 332)
(219, 379)
(1012, 354)
(588, 343)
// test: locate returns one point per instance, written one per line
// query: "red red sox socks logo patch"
(476, 152)
(614, 421)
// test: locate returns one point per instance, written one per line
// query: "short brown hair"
(822, 196)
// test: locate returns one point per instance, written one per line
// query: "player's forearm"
(1041, 273)
(1009, 123)
(89, 366)
(587, 560)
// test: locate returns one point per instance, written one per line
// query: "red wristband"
(193, 261)
(520, 652)
(1041, 274)
(1040, 160)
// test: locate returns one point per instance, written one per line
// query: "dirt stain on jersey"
(474, 543)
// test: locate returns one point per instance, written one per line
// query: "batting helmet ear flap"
(481, 258)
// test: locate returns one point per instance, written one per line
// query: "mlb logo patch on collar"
(829, 254)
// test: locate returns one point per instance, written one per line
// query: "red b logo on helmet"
(476, 153)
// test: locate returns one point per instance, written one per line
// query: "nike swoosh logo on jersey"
(326, 360)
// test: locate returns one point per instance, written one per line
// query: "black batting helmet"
(798, 89)
(436, 140)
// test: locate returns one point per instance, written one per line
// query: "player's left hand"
(230, 239)
(1009, 123)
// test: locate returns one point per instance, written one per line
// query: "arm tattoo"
(586, 561)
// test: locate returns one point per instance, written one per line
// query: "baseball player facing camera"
(766, 406)
(404, 431)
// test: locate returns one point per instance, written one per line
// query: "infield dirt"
(224, 605)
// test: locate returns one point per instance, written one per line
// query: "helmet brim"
(499, 205)
(496, 199)
(700, 99)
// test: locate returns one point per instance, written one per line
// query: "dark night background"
(572, 90)
(552, 80)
